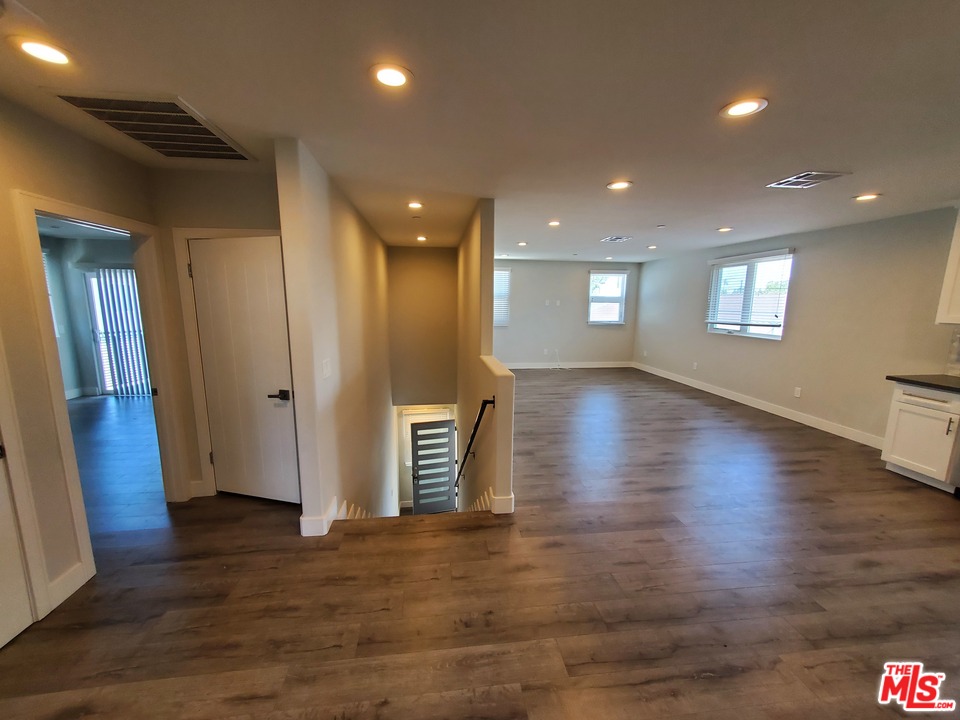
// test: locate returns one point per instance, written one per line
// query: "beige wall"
(489, 474)
(538, 323)
(423, 325)
(42, 158)
(336, 274)
(861, 305)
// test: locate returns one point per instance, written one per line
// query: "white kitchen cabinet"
(948, 311)
(921, 438)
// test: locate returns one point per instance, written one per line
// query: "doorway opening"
(426, 482)
(95, 305)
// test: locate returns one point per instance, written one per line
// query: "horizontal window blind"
(748, 293)
(501, 296)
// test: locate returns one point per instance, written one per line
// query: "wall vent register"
(169, 127)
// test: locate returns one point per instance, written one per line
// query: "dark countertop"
(949, 383)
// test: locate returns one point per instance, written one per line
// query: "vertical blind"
(501, 296)
(122, 332)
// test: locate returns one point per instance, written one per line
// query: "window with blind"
(748, 294)
(608, 296)
(501, 297)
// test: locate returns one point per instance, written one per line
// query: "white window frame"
(622, 300)
(502, 319)
(751, 261)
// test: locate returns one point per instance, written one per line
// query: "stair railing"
(476, 426)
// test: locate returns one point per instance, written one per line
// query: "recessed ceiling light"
(742, 108)
(867, 197)
(43, 51)
(608, 258)
(651, 247)
(421, 238)
(554, 223)
(414, 205)
(619, 185)
(661, 227)
(391, 75)
(724, 229)
(522, 244)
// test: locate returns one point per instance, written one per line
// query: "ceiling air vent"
(616, 238)
(171, 127)
(808, 179)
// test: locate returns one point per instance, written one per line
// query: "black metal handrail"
(476, 426)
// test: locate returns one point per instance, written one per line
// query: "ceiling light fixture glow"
(554, 223)
(608, 258)
(421, 238)
(43, 51)
(391, 75)
(522, 244)
(742, 108)
(724, 229)
(651, 247)
(414, 205)
(867, 197)
(619, 185)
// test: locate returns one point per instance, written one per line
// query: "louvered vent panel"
(164, 126)
(808, 179)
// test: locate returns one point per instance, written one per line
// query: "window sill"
(594, 322)
(746, 335)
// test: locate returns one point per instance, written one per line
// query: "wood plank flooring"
(673, 555)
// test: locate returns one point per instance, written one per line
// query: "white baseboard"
(316, 525)
(569, 365)
(406, 504)
(73, 393)
(66, 585)
(500, 505)
(833, 428)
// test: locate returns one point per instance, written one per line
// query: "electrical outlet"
(546, 352)
(644, 353)
(796, 392)
(326, 367)
(694, 365)
(558, 303)
(547, 302)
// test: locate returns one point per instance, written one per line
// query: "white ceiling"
(539, 103)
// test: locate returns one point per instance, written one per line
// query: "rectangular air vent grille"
(616, 238)
(169, 127)
(808, 179)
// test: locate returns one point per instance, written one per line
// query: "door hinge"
(3, 451)
(190, 269)
(211, 457)
(154, 391)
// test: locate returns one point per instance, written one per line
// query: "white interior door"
(242, 320)
(15, 612)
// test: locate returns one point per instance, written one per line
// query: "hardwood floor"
(673, 555)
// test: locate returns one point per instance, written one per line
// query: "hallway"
(673, 554)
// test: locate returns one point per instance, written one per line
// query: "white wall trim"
(406, 504)
(73, 393)
(206, 485)
(568, 365)
(316, 525)
(68, 582)
(874, 441)
(502, 505)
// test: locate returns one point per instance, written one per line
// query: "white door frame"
(207, 485)
(147, 263)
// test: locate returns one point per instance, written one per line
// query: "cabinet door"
(920, 439)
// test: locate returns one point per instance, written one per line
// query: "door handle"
(949, 426)
(283, 395)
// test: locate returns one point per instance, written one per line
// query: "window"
(501, 296)
(748, 294)
(46, 275)
(608, 295)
